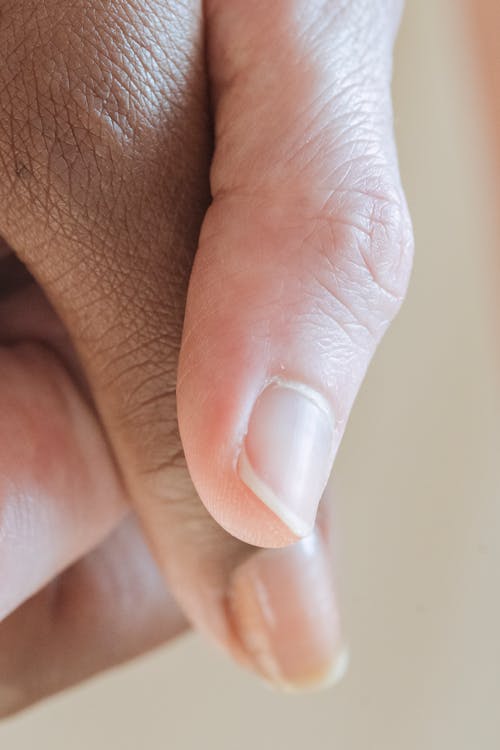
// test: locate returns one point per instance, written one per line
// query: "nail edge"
(260, 489)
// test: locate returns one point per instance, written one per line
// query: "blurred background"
(416, 492)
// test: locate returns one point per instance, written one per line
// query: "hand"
(303, 260)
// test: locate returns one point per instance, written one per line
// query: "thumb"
(304, 254)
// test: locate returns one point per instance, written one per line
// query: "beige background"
(417, 496)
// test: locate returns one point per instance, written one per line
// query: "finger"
(60, 494)
(292, 587)
(284, 607)
(109, 607)
(59, 491)
(303, 259)
(105, 211)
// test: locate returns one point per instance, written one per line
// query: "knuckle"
(382, 238)
(367, 253)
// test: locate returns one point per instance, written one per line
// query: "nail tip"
(329, 679)
(338, 669)
(287, 452)
(249, 477)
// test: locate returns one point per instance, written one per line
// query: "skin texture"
(308, 227)
(105, 143)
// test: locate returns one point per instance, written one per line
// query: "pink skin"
(60, 497)
(287, 619)
(59, 493)
(108, 607)
(304, 258)
(305, 253)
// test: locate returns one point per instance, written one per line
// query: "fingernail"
(287, 453)
(284, 612)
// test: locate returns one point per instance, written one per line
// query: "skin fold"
(120, 122)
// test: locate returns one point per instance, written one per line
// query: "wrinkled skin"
(105, 145)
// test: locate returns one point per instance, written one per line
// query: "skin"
(105, 151)
(483, 19)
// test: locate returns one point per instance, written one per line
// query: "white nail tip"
(335, 674)
(337, 671)
(268, 497)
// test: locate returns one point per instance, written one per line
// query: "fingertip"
(284, 611)
(214, 406)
